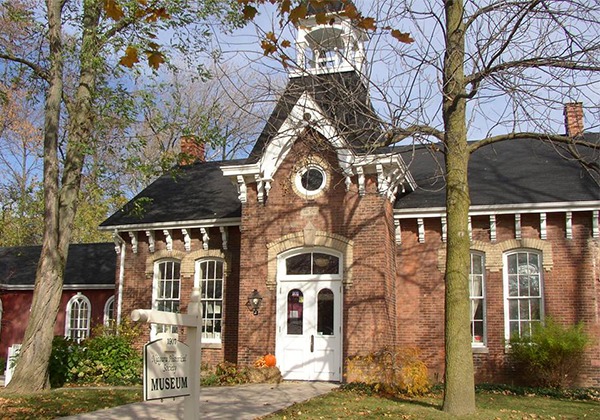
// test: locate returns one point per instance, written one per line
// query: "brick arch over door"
(310, 238)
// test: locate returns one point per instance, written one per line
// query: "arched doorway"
(309, 314)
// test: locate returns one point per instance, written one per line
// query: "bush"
(396, 371)
(65, 356)
(230, 374)
(106, 357)
(552, 355)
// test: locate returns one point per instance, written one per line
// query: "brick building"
(343, 244)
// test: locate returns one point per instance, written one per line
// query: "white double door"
(309, 330)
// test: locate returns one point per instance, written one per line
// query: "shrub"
(552, 355)
(396, 371)
(65, 356)
(230, 374)
(106, 357)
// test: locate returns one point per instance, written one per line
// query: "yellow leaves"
(249, 12)
(402, 36)
(116, 12)
(321, 18)
(113, 10)
(130, 57)
(268, 47)
(155, 59)
(153, 14)
(298, 13)
(154, 56)
(367, 23)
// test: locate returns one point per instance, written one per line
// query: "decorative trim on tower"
(333, 47)
(151, 242)
(569, 225)
(543, 232)
(134, 242)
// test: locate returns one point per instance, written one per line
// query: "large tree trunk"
(31, 372)
(459, 396)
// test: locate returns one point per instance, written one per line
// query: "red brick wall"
(570, 290)
(369, 318)
(137, 288)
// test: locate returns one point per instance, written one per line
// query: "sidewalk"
(223, 403)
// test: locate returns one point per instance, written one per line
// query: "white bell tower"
(336, 46)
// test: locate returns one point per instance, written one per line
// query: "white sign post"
(171, 368)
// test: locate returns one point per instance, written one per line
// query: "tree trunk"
(459, 396)
(31, 371)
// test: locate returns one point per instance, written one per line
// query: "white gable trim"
(305, 113)
(390, 169)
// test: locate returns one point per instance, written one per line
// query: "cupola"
(335, 46)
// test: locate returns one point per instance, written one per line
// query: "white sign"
(166, 369)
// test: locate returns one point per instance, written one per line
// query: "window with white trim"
(477, 297)
(310, 180)
(319, 263)
(109, 311)
(523, 292)
(210, 279)
(166, 292)
(77, 319)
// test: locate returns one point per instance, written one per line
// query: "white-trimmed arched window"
(166, 292)
(77, 319)
(109, 311)
(523, 292)
(210, 278)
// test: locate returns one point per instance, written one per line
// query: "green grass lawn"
(359, 405)
(340, 404)
(65, 402)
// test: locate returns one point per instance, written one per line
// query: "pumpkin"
(270, 360)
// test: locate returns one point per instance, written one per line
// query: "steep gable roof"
(89, 266)
(344, 100)
(197, 192)
(517, 172)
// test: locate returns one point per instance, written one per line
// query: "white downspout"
(121, 252)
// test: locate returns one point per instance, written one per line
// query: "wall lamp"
(254, 301)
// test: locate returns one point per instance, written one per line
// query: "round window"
(310, 180)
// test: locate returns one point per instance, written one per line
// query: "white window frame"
(109, 307)
(77, 304)
(201, 276)
(282, 269)
(155, 329)
(298, 180)
(481, 296)
(508, 299)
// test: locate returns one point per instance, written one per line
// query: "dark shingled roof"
(195, 192)
(343, 98)
(92, 265)
(510, 172)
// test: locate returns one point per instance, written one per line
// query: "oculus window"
(310, 180)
